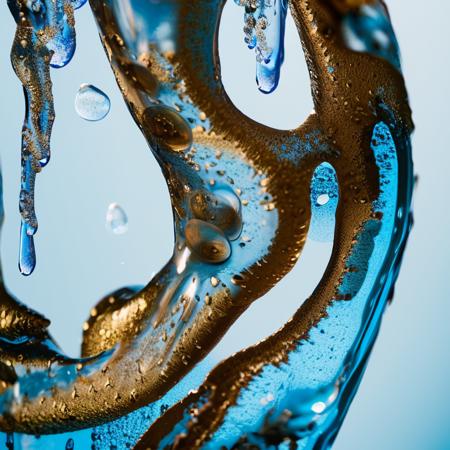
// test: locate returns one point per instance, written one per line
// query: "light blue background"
(404, 399)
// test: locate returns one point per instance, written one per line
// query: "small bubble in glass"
(323, 199)
(91, 103)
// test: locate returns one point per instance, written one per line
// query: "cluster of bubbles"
(216, 219)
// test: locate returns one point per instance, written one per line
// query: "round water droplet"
(91, 103)
(207, 241)
(116, 219)
(167, 127)
(222, 208)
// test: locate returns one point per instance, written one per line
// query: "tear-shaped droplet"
(116, 219)
(91, 103)
(70, 444)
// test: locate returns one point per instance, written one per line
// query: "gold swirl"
(153, 337)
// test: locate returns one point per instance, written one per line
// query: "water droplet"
(27, 253)
(91, 103)
(140, 77)
(167, 128)
(207, 241)
(70, 444)
(221, 208)
(264, 32)
(116, 219)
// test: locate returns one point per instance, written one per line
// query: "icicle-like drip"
(264, 32)
(45, 37)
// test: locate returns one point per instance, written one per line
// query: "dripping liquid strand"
(45, 37)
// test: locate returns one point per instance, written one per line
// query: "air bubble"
(323, 199)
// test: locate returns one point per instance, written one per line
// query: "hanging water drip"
(264, 27)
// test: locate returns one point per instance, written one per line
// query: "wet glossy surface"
(244, 198)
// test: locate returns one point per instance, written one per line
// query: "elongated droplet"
(116, 219)
(27, 253)
(91, 103)
(70, 444)
(265, 22)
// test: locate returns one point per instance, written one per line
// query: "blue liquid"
(27, 253)
(264, 32)
(369, 30)
(31, 58)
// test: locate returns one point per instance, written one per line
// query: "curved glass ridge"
(245, 198)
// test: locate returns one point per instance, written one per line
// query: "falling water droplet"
(70, 444)
(91, 103)
(116, 219)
